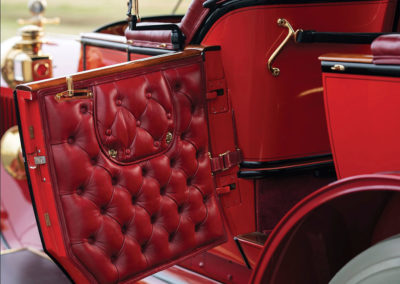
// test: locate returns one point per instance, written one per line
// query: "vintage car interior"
(247, 141)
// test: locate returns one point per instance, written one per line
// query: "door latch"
(71, 93)
(39, 160)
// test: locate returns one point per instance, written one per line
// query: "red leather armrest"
(189, 25)
(154, 39)
(386, 49)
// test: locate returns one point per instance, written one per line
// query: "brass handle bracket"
(291, 33)
(71, 93)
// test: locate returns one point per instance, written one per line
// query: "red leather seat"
(386, 49)
(162, 39)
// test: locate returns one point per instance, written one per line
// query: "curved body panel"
(352, 210)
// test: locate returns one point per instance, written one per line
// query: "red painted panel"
(364, 123)
(283, 117)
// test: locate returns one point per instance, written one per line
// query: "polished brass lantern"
(26, 62)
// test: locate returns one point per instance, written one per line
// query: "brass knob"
(169, 137)
(338, 67)
(113, 153)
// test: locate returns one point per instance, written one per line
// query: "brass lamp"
(11, 154)
(26, 62)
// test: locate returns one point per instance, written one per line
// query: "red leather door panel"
(127, 188)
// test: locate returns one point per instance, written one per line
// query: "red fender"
(328, 228)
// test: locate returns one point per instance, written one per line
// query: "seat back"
(193, 19)
(189, 25)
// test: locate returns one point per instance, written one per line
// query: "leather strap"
(226, 160)
(217, 97)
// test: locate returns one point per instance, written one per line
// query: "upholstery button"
(103, 210)
(171, 237)
(197, 227)
(172, 162)
(143, 247)
(180, 209)
(156, 144)
(71, 140)
(153, 219)
(114, 180)
(123, 229)
(138, 123)
(108, 132)
(127, 151)
(134, 199)
(79, 190)
(144, 171)
(189, 182)
(163, 190)
(118, 102)
(177, 86)
(205, 199)
(148, 95)
(113, 258)
(193, 109)
(183, 136)
(91, 240)
(94, 160)
(169, 115)
(84, 108)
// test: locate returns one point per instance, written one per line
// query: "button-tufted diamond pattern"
(154, 202)
(132, 116)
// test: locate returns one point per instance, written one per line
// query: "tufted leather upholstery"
(136, 125)
(154, 202)
(189, 26)
(386, 49)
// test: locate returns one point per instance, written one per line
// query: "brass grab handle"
(291, 32)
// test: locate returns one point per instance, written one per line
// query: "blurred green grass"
(81, 16)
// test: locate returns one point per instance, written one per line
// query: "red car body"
(298, 173)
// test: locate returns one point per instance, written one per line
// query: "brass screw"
(168, 137)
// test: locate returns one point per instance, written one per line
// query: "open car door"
(118, 166)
